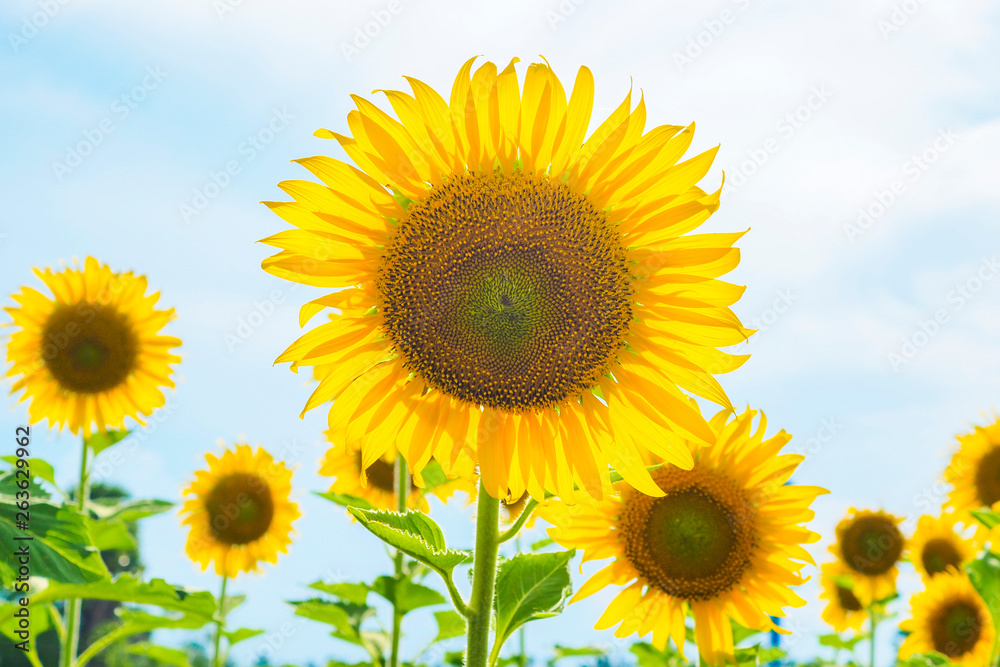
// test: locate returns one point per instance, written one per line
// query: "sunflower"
(725, 541)
(950, 617)
(506, 286)
(975, 473)
(241, 512)
(870, 545)
(92, 355)
(937, 545)
(843, 609)
(379, 487)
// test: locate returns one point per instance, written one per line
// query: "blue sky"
(859, 141)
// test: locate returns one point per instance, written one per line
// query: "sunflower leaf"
(132, 510)
(835, 641)
(110, 535)
(988, 518)
(531, 587)
(346, 500)
(433, 475)
(57, 538)
(756, 655)
(38, 468)
(127, 588)
(648, 655)
(413, 533)
(406, 595)
(348, 592)
(450, 624)
(102, 440)
(563, 652)
(160, 654)
(236, 636)
(345, 617)
(984, 573)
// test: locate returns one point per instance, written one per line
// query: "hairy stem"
(484, 575)
(71, 640)
(402, 492)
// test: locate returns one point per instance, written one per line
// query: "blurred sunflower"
(378, 487)
(511, 287)
(951, 618)
(725, 541)
(241, 512)
(936, 545)
(843, 610)
(92, 355)
(870, 545)
(975, 473)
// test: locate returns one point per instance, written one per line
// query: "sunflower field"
(528, 421)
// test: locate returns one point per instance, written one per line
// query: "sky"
(858, 140)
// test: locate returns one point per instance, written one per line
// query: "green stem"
(402, 489)
(871, 652)
(71, 640)
(521, 520)
(522, 658)
(484, 575)
(220, 622)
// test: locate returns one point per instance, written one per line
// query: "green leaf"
(236, 636)
(648, 655)
(984, 573)
(232, 602)
(531, 587)
(61, 548)
(38, 618)
(563, 652)
(127, 588)
(346, 618)
(450, 624)
(356, 593)
(925, 660)
(406, 595)
(988, 518)
(740, 633)
(132, 510)
(433, 475)
(837, 642)
(36, 467)
(108, 535)
(346, 500)
(413, 533)
(160, 654)
(541, 544)
(102, 440)
(755, 655)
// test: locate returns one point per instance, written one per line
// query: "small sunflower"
(950, 617)
(937, 545)
(725, 541)
(843, 610)
(378, 484)
(91, 355)
(241, 512)
(508, 285)
(975, 473)
(870, 545)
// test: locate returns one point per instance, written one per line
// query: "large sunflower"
(870, 545)
(950, 617)
(241, 512)
(512, 287)
(975, 473)
(91, 355)
(843, 610)
(725, 541)
(379, 487)
(937, 545)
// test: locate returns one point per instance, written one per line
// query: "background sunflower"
(241, 512)
(724, 542)
(974, 472)
(92, 354)
(843, 610)
(938, 544)
(870, 545)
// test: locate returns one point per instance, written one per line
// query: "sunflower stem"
(71, 640)
(872, 614)
(484, 575)
(522, 659)
(521, 520)
(402, 489)
(220, 622)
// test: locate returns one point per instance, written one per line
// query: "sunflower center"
(939, 554)
(988, 478)
(872, 545)
(89, 348)
(695, 542)
(956, 628)
(848, 601)
(506, 291)
(240, 508)
(382, 475)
